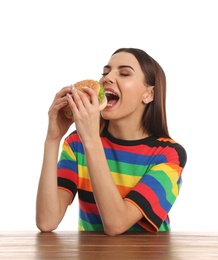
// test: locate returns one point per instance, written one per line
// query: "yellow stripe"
(172, 174)
(84, 170)
(119, 179)
(69, 151)
(125, 180)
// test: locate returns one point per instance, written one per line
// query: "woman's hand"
(86, 113)
(58, 123)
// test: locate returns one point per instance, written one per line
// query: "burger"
(96, 86)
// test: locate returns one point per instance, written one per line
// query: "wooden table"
(96, 245)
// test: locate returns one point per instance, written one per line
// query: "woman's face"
(123, 81)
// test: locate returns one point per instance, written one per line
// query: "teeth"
(109, 92)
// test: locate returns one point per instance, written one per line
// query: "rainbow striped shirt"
(146, 172)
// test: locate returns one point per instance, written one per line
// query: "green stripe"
(127, 168)
(164, 227)
(81, 158)
(166, 183)
(90, 227)
(65, 156)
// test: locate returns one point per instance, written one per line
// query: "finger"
(93, 97)
(81, 99)
(72, 102)
(61, 96)
(64, 91)
(57, 106)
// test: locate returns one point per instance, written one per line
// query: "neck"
(126, 131)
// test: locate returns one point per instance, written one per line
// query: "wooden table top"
(97, 245)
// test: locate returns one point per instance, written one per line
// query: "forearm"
(47, 203)
(113, 209)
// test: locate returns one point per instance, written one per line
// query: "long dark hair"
(154, 119)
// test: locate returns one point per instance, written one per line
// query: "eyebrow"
(120, 67)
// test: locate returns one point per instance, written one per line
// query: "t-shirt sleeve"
(67, 176)
(158, 189)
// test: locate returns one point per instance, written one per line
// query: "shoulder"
(73, 141)
(72, 137)
(172, 147)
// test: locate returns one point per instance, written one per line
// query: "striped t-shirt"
(147, 173)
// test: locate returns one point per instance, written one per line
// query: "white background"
(47, 44)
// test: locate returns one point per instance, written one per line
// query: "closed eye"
(122, 74)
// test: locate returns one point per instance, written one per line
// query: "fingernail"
(68, 95)
(72, 86)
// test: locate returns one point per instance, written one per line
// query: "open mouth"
(112, 98)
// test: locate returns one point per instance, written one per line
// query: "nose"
(108, 79)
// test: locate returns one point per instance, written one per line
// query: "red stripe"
(68, 174)
(88, 207)
(129, 149)
(73, 138)
(152, 198)
(143, 149)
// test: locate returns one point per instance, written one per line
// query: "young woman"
(122, 161)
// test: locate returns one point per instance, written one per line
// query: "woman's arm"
(117, 215)
(51, 203)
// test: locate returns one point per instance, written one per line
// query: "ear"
(148, 96)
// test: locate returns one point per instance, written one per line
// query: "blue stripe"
(132, 158)
(67, 164)
(77, 147)
(90, 218)
(158, 189)
(123, 156)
